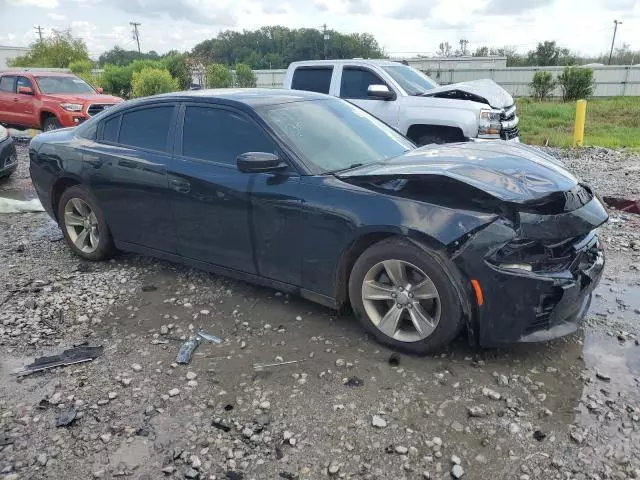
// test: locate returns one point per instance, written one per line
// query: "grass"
(611, 122)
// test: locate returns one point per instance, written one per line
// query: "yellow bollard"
(578, 132)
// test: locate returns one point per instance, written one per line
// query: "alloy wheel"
(82, 225)
(401, 300)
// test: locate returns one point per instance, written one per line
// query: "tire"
(421, 266)
(51, 123)
(78, 212)
(430, 139)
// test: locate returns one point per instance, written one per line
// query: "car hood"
(83, 98)
(486, 91)
(510, 172)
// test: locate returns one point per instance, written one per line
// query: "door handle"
(15, 99)
(180, 186)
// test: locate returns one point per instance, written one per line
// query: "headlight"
(489, 125)
(517, 266)
(72, 107)
(4, 133)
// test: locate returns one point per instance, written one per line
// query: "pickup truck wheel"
(431, 138)
(51, 123)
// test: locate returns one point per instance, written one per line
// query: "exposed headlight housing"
(489, 124)
(517, 266)
(4, 133)
(72, 107)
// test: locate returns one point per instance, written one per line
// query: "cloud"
(619, 4)
(411, 10)
(358, 7)
(321, 6)
(203, 14)
(274, 9)
(34, 3)
(511, 7)
(56, 16)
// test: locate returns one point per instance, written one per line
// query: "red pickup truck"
(48, 100)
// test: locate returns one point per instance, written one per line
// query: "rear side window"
(146, 128)
(8, 84)
(355, 82)
(316, 79)
(110, 129)
(219, 135)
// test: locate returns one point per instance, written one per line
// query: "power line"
(136, 35)
(39, 30)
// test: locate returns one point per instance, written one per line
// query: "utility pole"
(615, 29)
(136, 36)
(39, 30)
(326, 38)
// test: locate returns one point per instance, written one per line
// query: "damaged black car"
(311, 195)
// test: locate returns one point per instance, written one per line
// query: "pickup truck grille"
(509, 121)
(96, 108)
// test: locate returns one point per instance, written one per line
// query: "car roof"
(352, 61)
(253, 97)
(27, 73)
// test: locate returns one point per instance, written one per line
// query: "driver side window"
(355, 82)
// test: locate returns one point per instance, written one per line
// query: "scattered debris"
(208, 337)
(539, 435)
(71, 356)
(220, 426)
(354, 382)
(187, 349)
(149, 288)
(261, 366)
(66, 417)
(394, 360)
(378, 422)
(623, 204)
(9, 205)
(603, 376)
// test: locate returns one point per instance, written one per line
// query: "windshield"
(411, 80)
(333, 134)
(63, 85)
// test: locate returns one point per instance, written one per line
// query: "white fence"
(610, 81)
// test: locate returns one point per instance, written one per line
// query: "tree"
(547, 53)
(152, 81)
(117, 80)
(576, 83)
(277, 47)
(542, 85)
(84, 70)
(481, 52)
(218, 76)
(463, 51)
(176, 63)
(245, 78)
(56, 51)
(444, 49)
(121, 57)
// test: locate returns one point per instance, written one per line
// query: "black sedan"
(309, 194)
(8, 157)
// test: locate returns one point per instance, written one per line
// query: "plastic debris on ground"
(261, 366)
(9, 205)
(71, 356)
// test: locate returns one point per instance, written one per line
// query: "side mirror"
(380, 92)
(259, 162)
(25, 90)
(100, 90)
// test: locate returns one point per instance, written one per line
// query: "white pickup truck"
(411, 102)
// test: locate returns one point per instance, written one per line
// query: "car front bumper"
(8, 157)
(523, 306)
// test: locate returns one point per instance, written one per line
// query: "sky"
(402, 27)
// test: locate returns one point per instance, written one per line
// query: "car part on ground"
(333, 204)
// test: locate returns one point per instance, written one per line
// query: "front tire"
(83, 225)
(51, 123)
(404, 296)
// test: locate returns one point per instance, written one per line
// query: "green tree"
(152, 81)
(84, 70)
(547, 53)
(117, 80)
(176, 63)
(576, 83)
(481, 52)
(121, 57)
(245, 78)
(218, 76)
(542, 85)
(56, 51)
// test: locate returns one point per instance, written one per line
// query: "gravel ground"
(564, 409)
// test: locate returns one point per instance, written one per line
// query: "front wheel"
(83, 225)
(405, 297)
(51, 123)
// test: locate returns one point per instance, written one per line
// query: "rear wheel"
(51, 123)
(83, 225)
(404, 296)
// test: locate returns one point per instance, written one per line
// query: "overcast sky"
(403, 27)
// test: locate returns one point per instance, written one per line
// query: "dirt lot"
(566, 409)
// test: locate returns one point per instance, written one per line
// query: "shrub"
(576, 83)
(178, 68)
(117, 80)
(218, 76)
(151, 81)
(80, 66)
(542, 85)
(245, 77)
